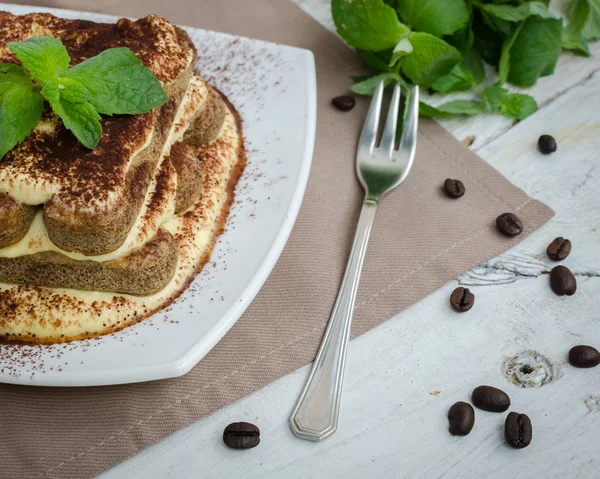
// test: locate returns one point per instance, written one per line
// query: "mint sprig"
(113, 82)
(442, 44)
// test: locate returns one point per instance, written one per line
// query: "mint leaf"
(431, 58)
(367, 24)
(81, 118)
(459, 78)
(504, 64)
(535, 51)
(579, 46)
(430, 111)
(513, 105)
(456, 107)
(11, 75)
(572, 38)
(520, 13)
(518, 105)
(463, 39)
(591, 30)
(113, 82)
(21, 108)
(73, 90)
(368, 86)
(494, 96)
(489, 42)
(495, 23)
(473, 62)
(43, 57)
(578, 15)
(376, 61)
(438, 17)
(403, 48)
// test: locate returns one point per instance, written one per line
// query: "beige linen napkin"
(421, 240)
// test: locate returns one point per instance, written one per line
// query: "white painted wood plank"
(391, 424)
(403, 375)
(567, 180)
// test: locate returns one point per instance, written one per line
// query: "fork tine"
(369, 131)
(388, 139)
(408, 142)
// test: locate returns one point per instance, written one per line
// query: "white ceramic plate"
(274, 88)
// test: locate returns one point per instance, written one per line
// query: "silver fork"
(380, 169)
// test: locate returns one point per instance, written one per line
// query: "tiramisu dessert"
(96, 238)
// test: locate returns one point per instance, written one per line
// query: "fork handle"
(316, 414)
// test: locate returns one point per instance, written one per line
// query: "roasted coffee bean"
(563, 281)
(462, 418)
(344, 102)
(509, 224)
(546, 144)
(490, 399)
(241, 435)
(462, 299)
(559, 249)
(584, 357)
(454, 188)
(517, 430)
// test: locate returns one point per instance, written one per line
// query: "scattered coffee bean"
(517, 430)
(454, 188)
(559, 249)
(509, 224)
(546, 144)
(462, 418)
(344, 102)
(241, 435)
(584, 357)
(490, 399)
(462, 299)
(563, 281)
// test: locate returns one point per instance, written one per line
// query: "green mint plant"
(443, 44)
(113, 82)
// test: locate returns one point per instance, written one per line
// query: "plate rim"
(186, 361)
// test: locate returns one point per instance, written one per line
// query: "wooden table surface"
(402, 377)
